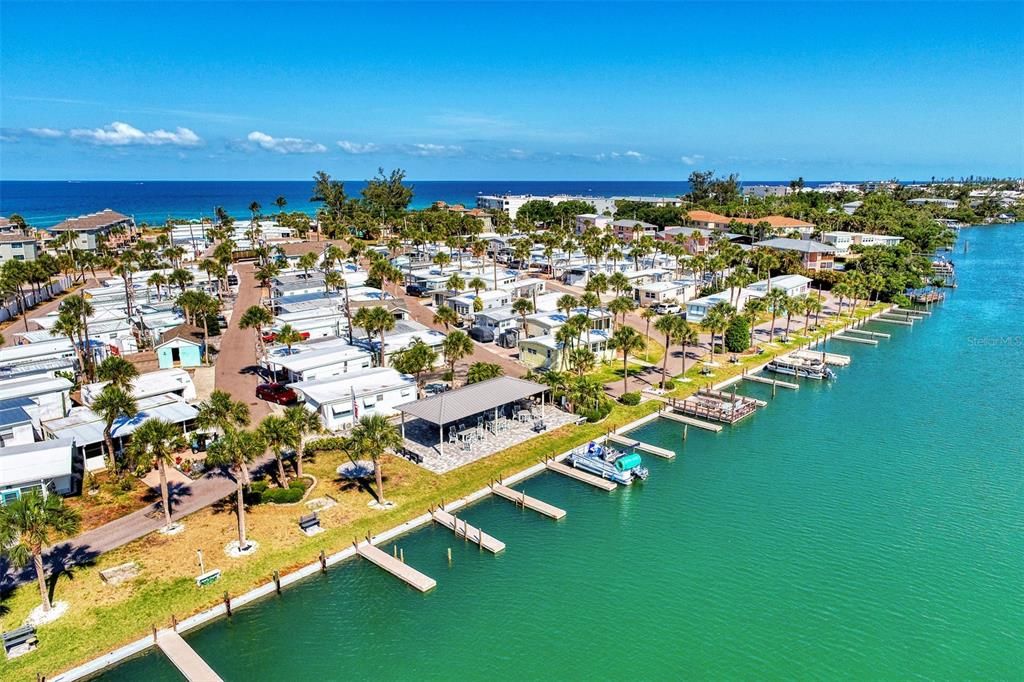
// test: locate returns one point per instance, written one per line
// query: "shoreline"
(98, 665)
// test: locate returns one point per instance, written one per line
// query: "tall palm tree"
(618, 283)
(522, 307)
(289, 336)
(669, 325)
(373, 437)
(28, 524)
(375, 320)
(810, 305)
(455, 347)
(648, 314)
(237, 449)
(222, 414)
(686, 336)
(717, 320)
(70, 325)
(566, 303)
(157, 441)
(76, 306)
(112, 403)
(118, 371)
(476, 284)
(753, 309)
(256, 317)
(304, 423)
(776, 299)
(157, 279)
(278, 433)
(628, 341)
(456, 283)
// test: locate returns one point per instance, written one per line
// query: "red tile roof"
(772, 220)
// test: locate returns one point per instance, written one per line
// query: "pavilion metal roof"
(452, 406)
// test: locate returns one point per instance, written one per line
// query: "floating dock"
(834, 359)
(184, 658)
(855, 339)
(707, 426)
(527, 502)
(571, 472)
(771, 382)
(396, 568)
(912, 311)
(462, 529)
(866, 332)
(638, 445)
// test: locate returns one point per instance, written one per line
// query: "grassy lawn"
(114, 498)
(102, 617)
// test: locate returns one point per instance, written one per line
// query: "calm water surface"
(867, 528)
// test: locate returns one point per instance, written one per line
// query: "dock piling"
(449, 556)
(323, 561)
(227, 603)
(277, 582)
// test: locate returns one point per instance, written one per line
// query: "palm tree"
(482, 371)
(70, 325)
(74, 306)
(669, 325)
(112, 403)
(237, 449)
(476, 284)
(375, 320)
(522, 307)
(753, 309)
(776, 300)
(118, 371)
(26, 525)
(717, 320)
(157, 279)
(222, 413)
(447, 316)
(618, 283)
(157, 440)
(456, 346)
(256, 317)
(566, 303)
(810, 306)
(629, 341)
(289, 336)
(648, 314)
(373, 436)
(687, 336)
(582, 360)
(793, 305)
(456, 283)
(304, 423)
(279, 433)
(307, 262)
(620, 306)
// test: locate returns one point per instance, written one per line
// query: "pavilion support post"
(440, 442)
(403, 425)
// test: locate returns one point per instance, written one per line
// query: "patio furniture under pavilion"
(475, 421)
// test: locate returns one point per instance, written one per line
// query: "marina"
(715, 406)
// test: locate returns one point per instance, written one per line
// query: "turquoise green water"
(867, 528)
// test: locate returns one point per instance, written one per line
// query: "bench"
(309, 522)
(20, 640)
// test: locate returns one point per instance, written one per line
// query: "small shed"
(181, 346)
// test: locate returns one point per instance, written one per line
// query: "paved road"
(18, 325)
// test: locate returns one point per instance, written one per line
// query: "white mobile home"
(653, 293)
(51, 395)
(171, 381)
(463, 304)
(791, 285)
(56, 348)
(544, 352)
(313, 363)
(340, 401)
(45, 467)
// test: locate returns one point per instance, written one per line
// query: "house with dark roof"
(180, 346)
(813, 255)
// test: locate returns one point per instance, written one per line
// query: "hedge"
(260, 492)
(631, 398)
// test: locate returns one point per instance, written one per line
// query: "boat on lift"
(609, 463)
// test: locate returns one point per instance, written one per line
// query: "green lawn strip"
(87, 632)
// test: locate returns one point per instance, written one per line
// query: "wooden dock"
(571, 472)
(184, 658)
(396, 568)
(731, 397)
(855, 339)
(834, 359)
(683, 419)
(905, 323)
(771, 382)
(462, 529)
(639, 445)
(527, 502)
(866, 332)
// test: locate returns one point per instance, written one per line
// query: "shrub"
(670, 384)
(631, 398)
(737, 336)
(324, 444)
(596, 414)
(260, 492)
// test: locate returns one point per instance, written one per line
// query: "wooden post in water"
(449, 556)
(227, 603)
(401, 555)
(775, 384)
(277, 582)
(685, 428)
(323, 561)
(174, 623)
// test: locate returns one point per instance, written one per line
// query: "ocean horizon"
(44, 203)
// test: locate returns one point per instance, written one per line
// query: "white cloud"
(692, 159)
(285, 145)
(45, 132)
(357, 147)
(120, 134)
(630, 154)
(633, 155)
(432, 149)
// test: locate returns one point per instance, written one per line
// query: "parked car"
(435, 388)
(481, 334)
(416, 290)
(667, 308)
(276, 393)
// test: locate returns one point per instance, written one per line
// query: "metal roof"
(464, 402)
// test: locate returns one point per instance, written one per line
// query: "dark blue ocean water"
(45, 203)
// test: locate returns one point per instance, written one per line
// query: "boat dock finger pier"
(527, 502)
(834, 359)
(185, 658)
(591, 479)
(638, 445)
(854, 339)
(462, 529)
(689, 421)
(771, 382)
(395, 567)
(867, 332)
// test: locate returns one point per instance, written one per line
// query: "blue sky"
(220, 90)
